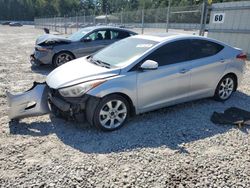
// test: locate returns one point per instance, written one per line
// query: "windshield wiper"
(99, 62)
(103, 63)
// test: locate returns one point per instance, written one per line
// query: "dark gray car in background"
(57, 50)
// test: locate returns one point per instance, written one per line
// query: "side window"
(115, 34)
(170, 53)
(202, 48)
(99, 35)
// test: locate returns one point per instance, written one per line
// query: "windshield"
(123, 51)
(79, 34)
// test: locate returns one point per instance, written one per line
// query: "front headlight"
(42, 49)
(80, 89)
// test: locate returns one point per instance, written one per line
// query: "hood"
(78, 71)
(51, 39)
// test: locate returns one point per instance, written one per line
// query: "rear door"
(208, 65)
(170, 83)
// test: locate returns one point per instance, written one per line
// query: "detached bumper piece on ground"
(30, 103)
(233, 115)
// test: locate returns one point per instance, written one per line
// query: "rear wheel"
(61, 58)
(111, 113)
(225, 88)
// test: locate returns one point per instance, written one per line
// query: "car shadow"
(42, 69)
(169, 127)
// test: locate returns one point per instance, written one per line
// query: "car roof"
(162, 37)
(90, 28)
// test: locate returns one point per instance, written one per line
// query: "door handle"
(183, 71)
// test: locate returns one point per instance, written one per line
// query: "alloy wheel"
(63, 58)
(113, 114)
(226, 88)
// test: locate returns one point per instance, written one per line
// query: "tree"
(28, 9)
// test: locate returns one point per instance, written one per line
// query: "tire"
(110, 113)
(225, 88)
(61, 58)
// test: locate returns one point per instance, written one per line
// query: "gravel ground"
(172, 147)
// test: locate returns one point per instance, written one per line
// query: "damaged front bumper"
(33, 102)
(34, 61)
(40, 100)
(68, 107)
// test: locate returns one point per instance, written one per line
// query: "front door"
(94, 42)
(165, 86)
(170, 83)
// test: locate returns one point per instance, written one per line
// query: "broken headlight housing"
(79, 89)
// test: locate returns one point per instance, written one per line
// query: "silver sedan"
(136, 75)
(56, 50)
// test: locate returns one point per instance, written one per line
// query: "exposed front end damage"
(40, 100)
(70, 108)
(77, 76)
(34, 61)
(33, 102)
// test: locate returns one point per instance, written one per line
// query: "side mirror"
(149, 65)
(86, 40)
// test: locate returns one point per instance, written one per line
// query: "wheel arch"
(235, 78)
(127, 90)
(93, 102)
(131, 104)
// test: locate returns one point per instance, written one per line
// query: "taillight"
(242, 56)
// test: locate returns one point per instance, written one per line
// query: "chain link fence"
(189, 18)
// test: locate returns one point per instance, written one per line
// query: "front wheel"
(61, 58)
(225, 88)
(111, 113)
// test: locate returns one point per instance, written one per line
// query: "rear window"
(115, 34)
(203, 48)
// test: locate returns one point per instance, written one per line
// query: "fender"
(237, 68)
(125, 85)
